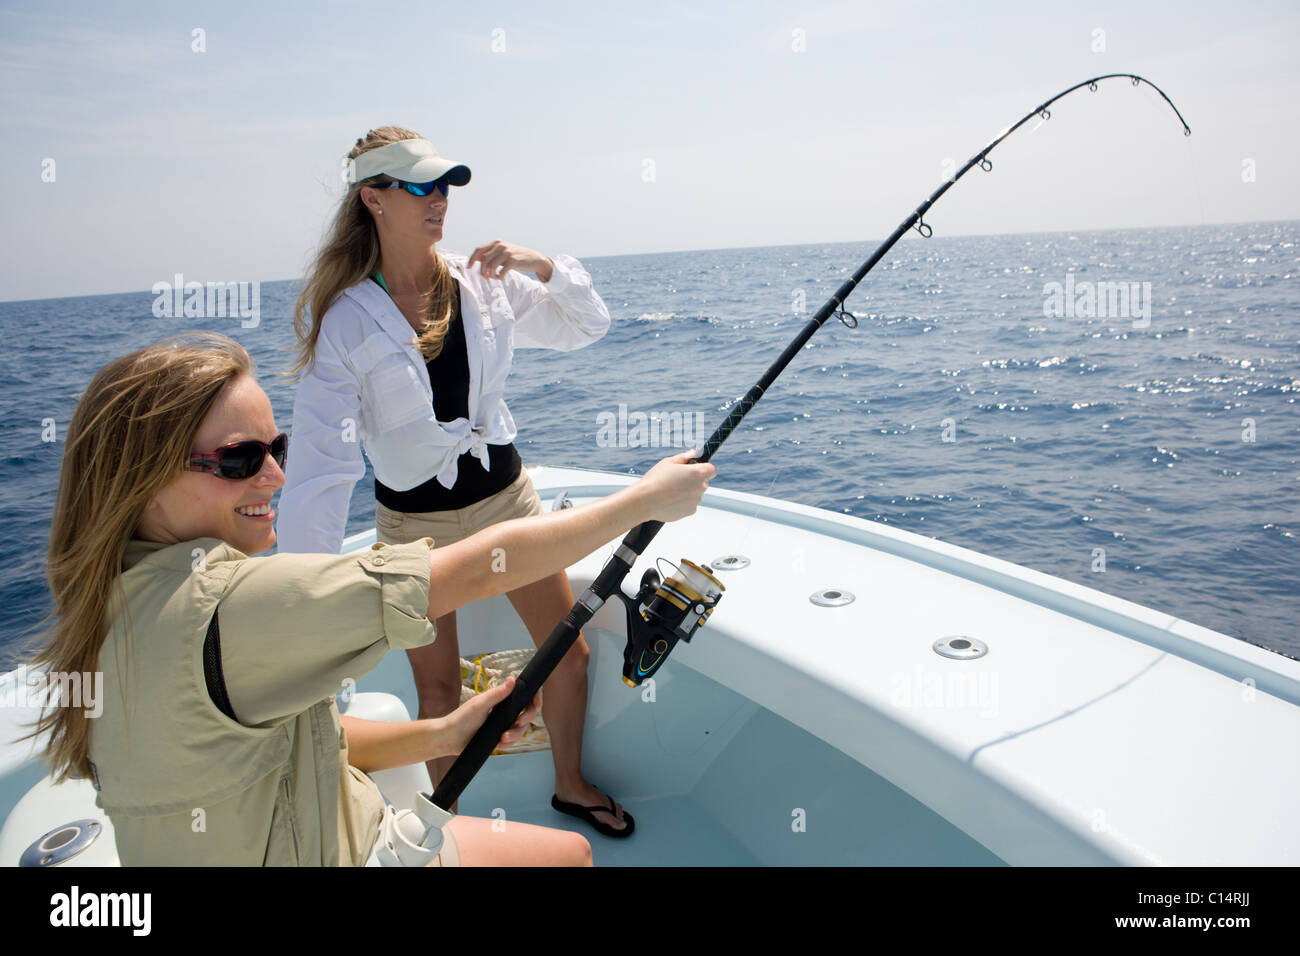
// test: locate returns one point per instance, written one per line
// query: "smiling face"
(199, 505)
(403, 216)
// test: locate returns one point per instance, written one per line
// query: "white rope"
(489, 670)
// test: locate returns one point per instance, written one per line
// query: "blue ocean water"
(970, 404)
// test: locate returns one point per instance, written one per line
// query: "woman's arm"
(382, 744)
(562, 311)
(296, 628)
(523, 550)
(324, 456)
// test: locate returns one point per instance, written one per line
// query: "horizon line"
(792, 245)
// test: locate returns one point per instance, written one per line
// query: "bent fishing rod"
(662, 613)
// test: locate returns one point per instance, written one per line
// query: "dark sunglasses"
(241, 459)
(417, 189)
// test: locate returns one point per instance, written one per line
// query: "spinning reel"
(664, 612)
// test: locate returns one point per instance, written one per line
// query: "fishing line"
(664, 612)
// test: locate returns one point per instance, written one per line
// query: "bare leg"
(541, 605)
(436, 668)
(516, 844)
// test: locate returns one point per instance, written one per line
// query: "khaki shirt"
(184, 784)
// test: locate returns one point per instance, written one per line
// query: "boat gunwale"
(1273, 672)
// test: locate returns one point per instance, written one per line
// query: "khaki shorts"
(519, 499)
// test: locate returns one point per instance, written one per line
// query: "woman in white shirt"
(408, 348)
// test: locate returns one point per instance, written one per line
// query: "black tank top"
(449, 377)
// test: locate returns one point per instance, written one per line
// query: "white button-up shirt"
(368, 381)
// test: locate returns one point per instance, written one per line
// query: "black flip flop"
(589, 814)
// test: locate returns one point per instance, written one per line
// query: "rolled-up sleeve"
(565, 313)
(296, 628)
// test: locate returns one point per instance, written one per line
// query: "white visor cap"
(412, 161)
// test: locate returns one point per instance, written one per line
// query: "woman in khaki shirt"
(219, 741)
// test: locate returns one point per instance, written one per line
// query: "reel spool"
(664, 612)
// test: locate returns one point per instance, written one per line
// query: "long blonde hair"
(130, 436)
(350, 254)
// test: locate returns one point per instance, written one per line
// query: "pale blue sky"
(224, 165)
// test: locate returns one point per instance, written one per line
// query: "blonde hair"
(350, 254)
(130, 436)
